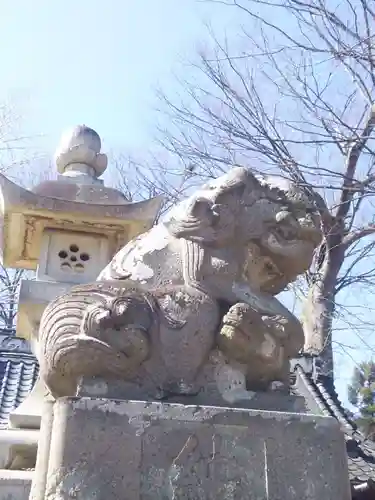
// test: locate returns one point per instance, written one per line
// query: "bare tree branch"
(292, 93)
(351, 238)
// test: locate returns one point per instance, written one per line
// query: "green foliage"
(361, 394)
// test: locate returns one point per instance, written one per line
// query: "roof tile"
(321, 397)
(18, 373)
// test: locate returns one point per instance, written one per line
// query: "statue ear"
(198, 224)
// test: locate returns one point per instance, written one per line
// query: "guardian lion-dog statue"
(190, 305)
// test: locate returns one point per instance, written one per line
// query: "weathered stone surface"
(208, 393)
(78, 201)
(34, 296)
(131, 450)
(15, 485)
(79, 155)
(39, 227)
(18, 448)
(67, 229)
(201, 283)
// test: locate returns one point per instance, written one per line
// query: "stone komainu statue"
(193, 290)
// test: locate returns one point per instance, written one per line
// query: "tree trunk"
(320, 307)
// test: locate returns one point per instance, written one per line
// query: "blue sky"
(98, 63)
(68, 62)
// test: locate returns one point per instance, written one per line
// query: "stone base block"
(15, 485)
(120, 389)
(132, 450)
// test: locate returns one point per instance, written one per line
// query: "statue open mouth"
(261, 269)
(286, 241)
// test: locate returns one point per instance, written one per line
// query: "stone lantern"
(66, 230)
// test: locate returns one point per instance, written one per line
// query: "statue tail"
(94, 330)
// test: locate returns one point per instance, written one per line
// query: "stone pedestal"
(132, 450)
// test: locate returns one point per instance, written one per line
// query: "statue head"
(275, 221)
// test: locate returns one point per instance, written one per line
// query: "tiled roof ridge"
(22, 392)
(351, 429)
(328, 392)
(323, 388)
(21, 355)
(314, 391)
(361, 452)
(18, 376)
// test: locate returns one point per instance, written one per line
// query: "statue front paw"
(239, 329)
(247, 338)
